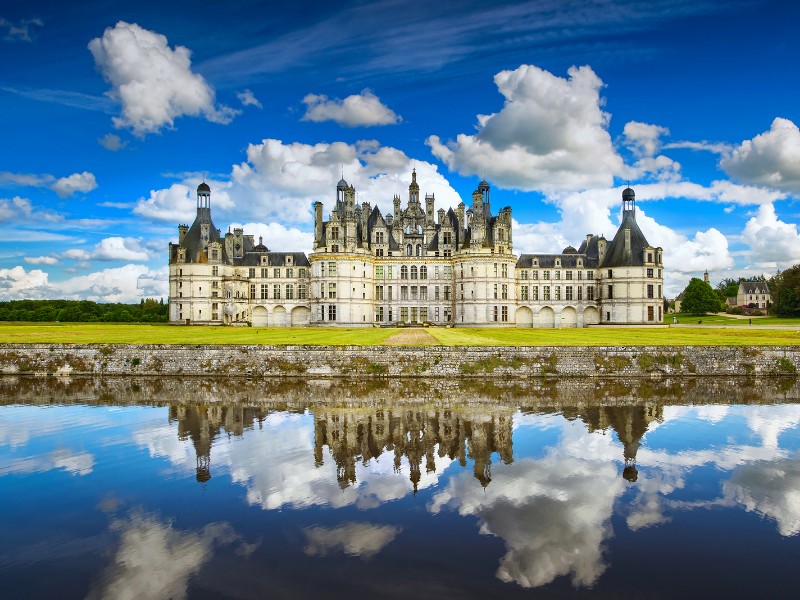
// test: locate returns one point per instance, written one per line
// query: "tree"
(699, 298)
(729, 287)
(785, 289)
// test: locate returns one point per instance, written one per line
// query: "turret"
(182, 229)
(204, 202)
(440, 216)
(429, 202)
(413, 189)
(628, 203)
(601, 249)
(396, 204)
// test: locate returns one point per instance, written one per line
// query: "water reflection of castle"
(420, 434)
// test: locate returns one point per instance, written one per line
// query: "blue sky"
(112, 115)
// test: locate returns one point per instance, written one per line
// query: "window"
(649, 257)
(276, 273)
(659, 291)
(334, 233)
(289, 291)
(290, 273)
(251, 273)
(448, 315)
(524, 275)
(495, 291)
(301, 272)
(546, 292)
(568, 292)
(494, 313)
(650, 313)
(504, 292)
(263, 291)
(659, 273)
(505, 270)
(504, 314)
(580, 275)
(590, 293)
(436, 313)
(403, 292)
(389, 272)
(524, 292)
(568, 275)
(448, 272)
(331, 290)
(215, 271)
(609, 273)
(447, 293)
(379, 239)
(332, 269)
(331, 312)
(413, 272)
(252, 291)
(215, 294)
(590, 275)
(389, 296)
(413, 292)
(649, 290)
(378, 292)
(446, 237)
(404, 314)
(423, 292)
(580, 291)
(558, 292)
(322, 269)
(649, 272)
(423, 272)
(610, 292)
(404, 272)
(301, 291)
(545, 274)
(535, 292)
(557, 275)
(379, 271)
(448, 253)
(423, 313)
(276, 291)
(495, 270)
(379, 314)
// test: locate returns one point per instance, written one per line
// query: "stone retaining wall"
(393, 361)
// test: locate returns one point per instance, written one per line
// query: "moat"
(189, 488)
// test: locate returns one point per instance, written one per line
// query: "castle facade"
(414, 266)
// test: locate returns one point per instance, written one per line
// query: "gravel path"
(413, 336)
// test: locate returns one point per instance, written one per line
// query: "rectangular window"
(423, 292)
(558, 292)
(276, 291)
(378, 292)
(263, 291)
(215, 294)
(331, 312)
(413, 292)
(546, 292)
(557, 275)
(494, 313)
(590, 292)
(301, 291)
(535, 275)
(289, 273)
(446, 237)
(301, 272)
(649, 257)
(252, 291)
(215, 271)
(545, 274)
(404, 314)
(524, 293)
(389, 294)
(448, 314)
(568, 292)
(659, 291)
(495, 291)
(580, 275)
(447, 292)
(649, 290)
(448, 272)
(609, 274)
(610, 292)
(436, 293)
(276, 273)
(649, 272)
(379, 271)
(505, 270)
(504, 292)
(403, 292)
(251, 273)
(535, 293)
(264, 273)
(436, 313)
(495, 272)
(580, 291)
(650, 313)
(568, 275)
(289, 291)
(423, 313)
(504, 314)
(331, 290)
(379, 314)
(331, 269)
(590, 275)
(322, 271)
(524, 275)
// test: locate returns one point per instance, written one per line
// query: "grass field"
(97, 333)
(722, 319)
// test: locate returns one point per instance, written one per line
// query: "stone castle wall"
(382, 361)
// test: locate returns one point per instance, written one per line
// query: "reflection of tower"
(362, 434)
(630, 423)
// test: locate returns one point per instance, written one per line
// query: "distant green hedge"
(84, 311)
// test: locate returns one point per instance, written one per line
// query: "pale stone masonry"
(413, 266)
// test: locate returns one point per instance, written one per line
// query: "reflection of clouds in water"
(154, 560)
(771, 489)
(353, 539)
(553, 514)
(770, 421)
(75, 463)
(276, 466)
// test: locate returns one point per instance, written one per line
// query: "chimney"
(317, 223)
(182, 229)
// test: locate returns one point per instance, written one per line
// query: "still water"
(242, 489)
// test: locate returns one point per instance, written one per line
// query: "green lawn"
(97, 333)
(722, 319)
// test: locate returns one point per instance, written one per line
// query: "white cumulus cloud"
(551, 134)
(77, 182)
(364, 540)
(773, 243)
(358, 110)
(153, 83)
(770, 159)
(41, 260)
(247, 98)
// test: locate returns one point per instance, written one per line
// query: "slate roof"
(616, 254)
(548, 261)
(753, 287)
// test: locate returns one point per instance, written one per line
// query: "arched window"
(413, 272)
(423, 272)
(404, 272)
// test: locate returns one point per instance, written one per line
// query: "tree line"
(149, 310)
(700, 298)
